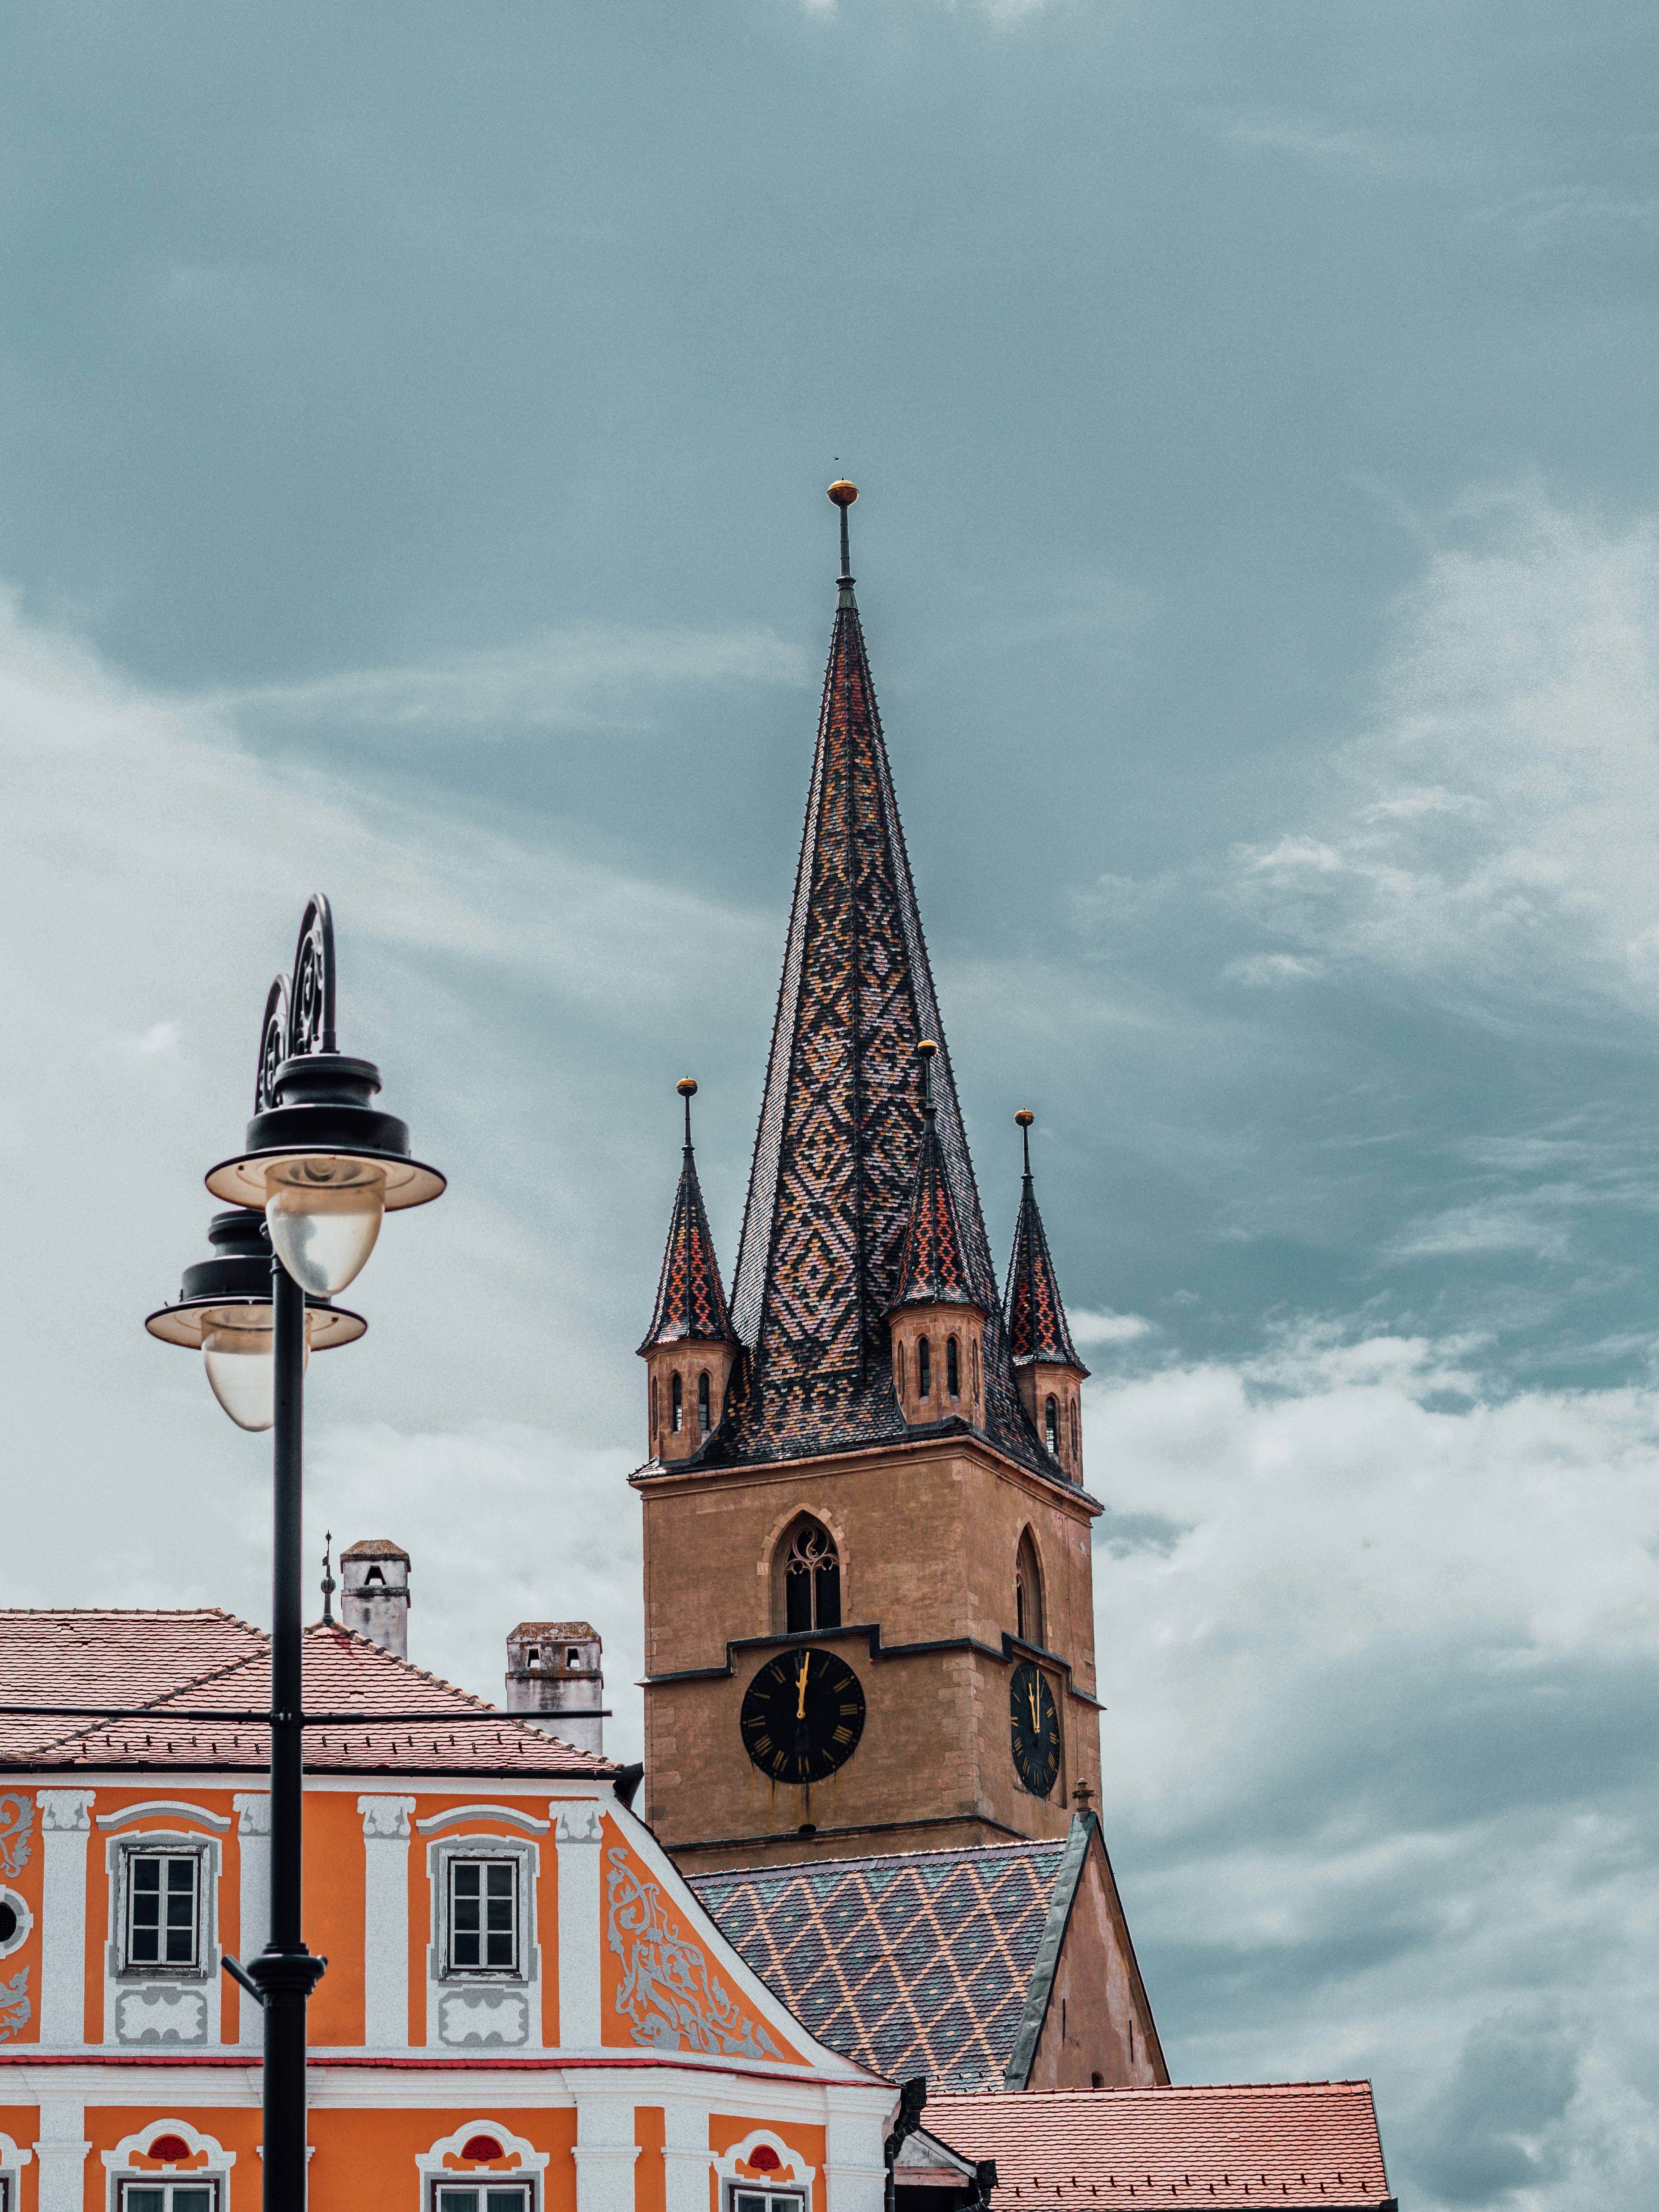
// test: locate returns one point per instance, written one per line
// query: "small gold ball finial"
(927, 1047)
(843, 493)
(1025, 1117)
(687, 1086)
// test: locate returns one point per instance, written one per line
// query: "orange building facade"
(526, 2009)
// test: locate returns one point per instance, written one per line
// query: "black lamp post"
(326, 1166)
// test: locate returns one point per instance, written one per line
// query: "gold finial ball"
(927, 1047)
(687, 1086)
(1025, 1117)
(843, 493)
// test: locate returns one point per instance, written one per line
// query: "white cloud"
(1089, 1327)
(1495, 836)
(1375, 1649)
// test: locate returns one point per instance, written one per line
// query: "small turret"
(1047, 1368)
(375, 1593)
(935, 1325)
(691, 1348)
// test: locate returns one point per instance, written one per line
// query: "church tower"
(868, 1579)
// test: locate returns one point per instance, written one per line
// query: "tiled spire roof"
(1037, 1329)
(690, 1303)
(932, 1271)
(841, 1126)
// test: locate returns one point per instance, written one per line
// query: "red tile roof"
(1292, 2144)
(203, 1660)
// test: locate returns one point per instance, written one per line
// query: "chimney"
(375, 1593)
(556, 1678)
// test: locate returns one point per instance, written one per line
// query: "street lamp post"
(320, 1169)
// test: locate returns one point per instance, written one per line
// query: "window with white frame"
(487, 2197)
(484, 1917)
(163, 1915)
(742, 2197)
(169, 2197)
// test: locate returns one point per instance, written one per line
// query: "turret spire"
(1046, 1366)
(691, 1345)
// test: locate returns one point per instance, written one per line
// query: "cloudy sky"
(414, 423)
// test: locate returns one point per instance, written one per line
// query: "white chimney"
(556, 1678)
(375, 1593)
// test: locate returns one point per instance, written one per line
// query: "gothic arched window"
(1050, 1425)
(1077, 1434)
(952, 1368)
(1028, 1594)
(811, 1578)
(924, 1369)
(676, 1405)
(702, 1403)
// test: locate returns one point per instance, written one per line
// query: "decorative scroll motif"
(386, 1817)
(16, 1825)
(299, 1016)
(311, 1004)
(15, 2012)
(668, 1993)
(63, 1812)
(273, 1045)
(159, 2014)
(484, 2019)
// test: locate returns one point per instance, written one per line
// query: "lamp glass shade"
(236, 1351)
(325, 1211)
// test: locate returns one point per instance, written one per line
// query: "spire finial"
(843, 495)
(687, 1087)
(926, 1050)
(1025, 1117)
(329, 1582)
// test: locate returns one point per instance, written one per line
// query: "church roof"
(933, 1269)
(175, 1668)
(841, 1125)
(690, 1303)
(1292, 2144)
(911, 1962)
(1037, 1329)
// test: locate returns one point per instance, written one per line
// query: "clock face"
(802, 1716)
(1035, 1730)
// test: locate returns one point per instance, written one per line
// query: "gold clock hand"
(1031, 1693)
(800, 1710)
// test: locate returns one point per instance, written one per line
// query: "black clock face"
(1035, 1730)
(802, 1716)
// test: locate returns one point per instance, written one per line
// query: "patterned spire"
(932, 1271)
(1037, 1320)
(690, 1303)
(841, 1126)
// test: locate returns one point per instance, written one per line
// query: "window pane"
(181, 1875)
(192, 2200)
(501, 1951)
(501, 1881)
(749, 2203)
(504, 2200)
(143, 2200)
(457, 2199)
(466, 1878)
(145, 1874)
(499, 1910)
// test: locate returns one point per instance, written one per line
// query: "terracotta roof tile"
(1292, 2144)
(171, 1663)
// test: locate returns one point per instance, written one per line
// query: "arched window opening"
(572, 1658)
(1028, 1594)
(702, 1402)
(1050, 1425)
(898, 1375)
(654, 1409)
(1096, 2080)
(952, 1368)
(1076, 1433)
(975, 1349)
(811, 1580)
(676, 1405)
(924, 1369)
